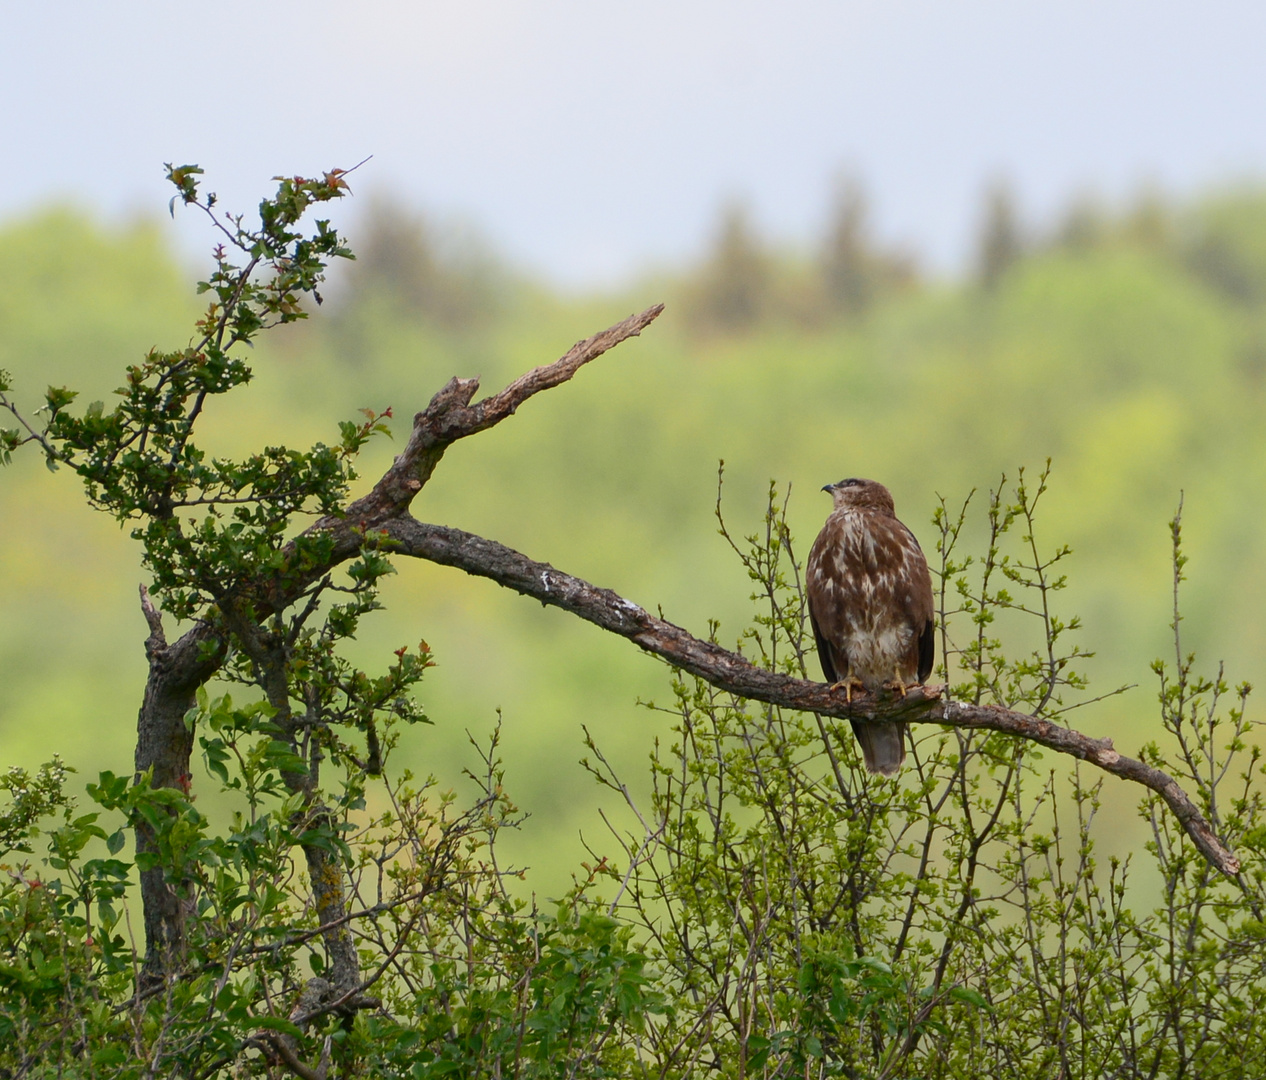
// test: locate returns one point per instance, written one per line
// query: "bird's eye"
(850, 483)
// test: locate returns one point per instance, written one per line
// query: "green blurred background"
(1127, 344)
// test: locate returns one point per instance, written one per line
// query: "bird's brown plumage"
(870, 602)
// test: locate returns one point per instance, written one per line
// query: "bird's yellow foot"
(847, 684)
(896, 683)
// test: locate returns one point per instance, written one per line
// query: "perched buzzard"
(870, 602)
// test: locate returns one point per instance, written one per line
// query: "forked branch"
(451, 416)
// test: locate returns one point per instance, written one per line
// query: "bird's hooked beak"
(829, 488)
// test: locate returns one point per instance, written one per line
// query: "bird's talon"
(847, 686)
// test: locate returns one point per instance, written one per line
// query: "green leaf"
(278, 1023)
(970, 996)
(114, 1054)
(58, 397)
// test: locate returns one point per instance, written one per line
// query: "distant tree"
(1001, 243)
(1224, 246)
(847, 270)
(733, 290)
(778, 912)
(1084, 225)
(855, 273)
(1149, 221)
(447, 277)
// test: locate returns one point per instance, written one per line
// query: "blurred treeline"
(1126, 343)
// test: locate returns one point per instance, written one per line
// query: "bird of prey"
(870, 602)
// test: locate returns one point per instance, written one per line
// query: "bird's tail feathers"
(883, 745)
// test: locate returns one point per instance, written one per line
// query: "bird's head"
(854, 494)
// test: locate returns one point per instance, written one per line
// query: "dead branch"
(733, 673)
(450, 416)
(157, 640)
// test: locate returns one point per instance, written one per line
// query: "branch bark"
(731, 672)
(163, 748)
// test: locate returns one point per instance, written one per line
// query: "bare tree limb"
(157, 640)
(283, 1046)
(450, 416)
(731, 672)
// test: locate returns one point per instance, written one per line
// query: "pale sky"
(591, 139)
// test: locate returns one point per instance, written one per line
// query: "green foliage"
(30, 798)
(811, 919)
(580, 999)
(63, 957)
(246, 968)
(1005, 584)
(138, 460)
(779, 912)
(477, 981)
